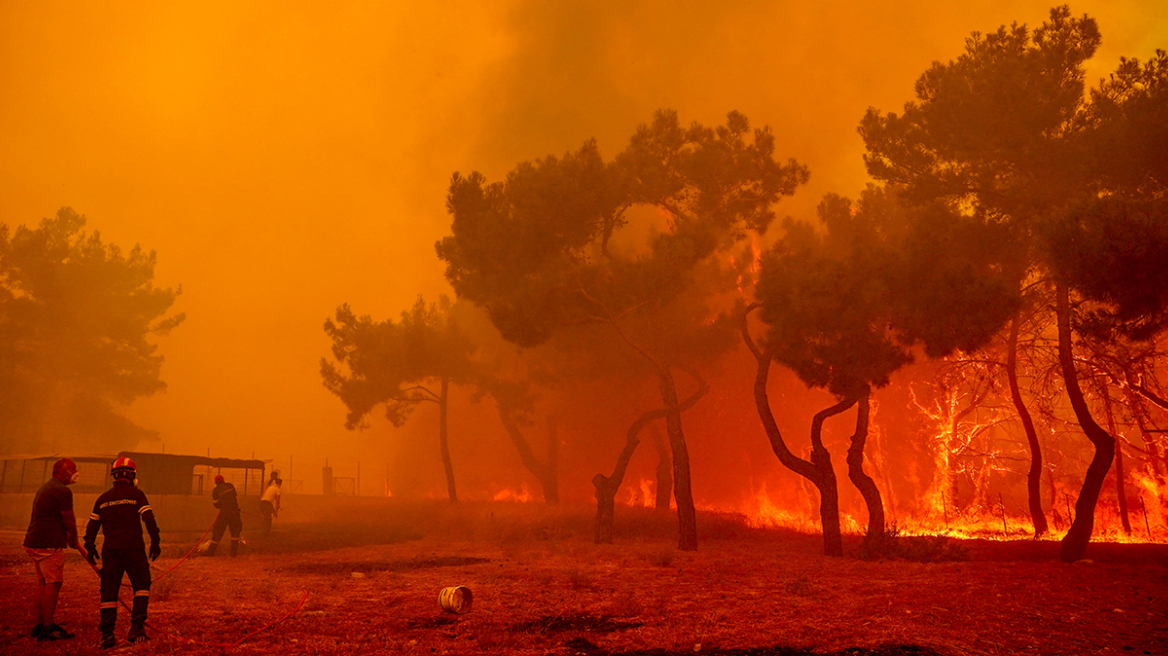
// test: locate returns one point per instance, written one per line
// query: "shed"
(167, 473)
(158, 473)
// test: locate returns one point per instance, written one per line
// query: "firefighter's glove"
(155, 551)
(91, 554)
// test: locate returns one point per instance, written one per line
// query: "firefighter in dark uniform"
(225, 500)
(120, 513)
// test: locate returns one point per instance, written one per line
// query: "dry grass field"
(367, 574)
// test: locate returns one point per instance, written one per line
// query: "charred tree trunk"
(607, 486)
(1054, 498)
(1034, 476)
(880, 464)
(1074, 544)
(664, 473)
(443, 442)
(551, 483)
(862, 481)
(682, 491)
(1120, 492)
(833, 544)
(818, 470)
(545, 473)
(1157, 464)
(952, 481)
(687, 526)
(605, 507)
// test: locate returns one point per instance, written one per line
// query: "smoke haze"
(284, 158)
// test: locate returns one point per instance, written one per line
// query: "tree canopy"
(548, 248)
(536, 250)
(391, 362)
(398, 364)
(76, 320)
(1007, 135)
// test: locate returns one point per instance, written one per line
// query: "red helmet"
(124, 468)
(218, 478)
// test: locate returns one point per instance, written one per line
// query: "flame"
(998, 519)
(742, 283)
(523, 495)
(990, 521)
(639, 496)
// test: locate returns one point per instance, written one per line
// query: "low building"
(158, 473)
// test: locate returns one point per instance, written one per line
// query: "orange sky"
(283, 158)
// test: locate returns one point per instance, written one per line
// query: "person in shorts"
(53, 527)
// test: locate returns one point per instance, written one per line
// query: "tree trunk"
(1156, 460)
(687, 527)
(952, 482)
(862, 481)
(607, 486)
(1120, 492)
(1034, 476)
(545, 473)
(664, 472)
(1054, 497)
(812, 471)
(686, 516)
(444, 444)
(1074, 544)
(879, 462)
(551, 479)
(605, 507)
(833, 544)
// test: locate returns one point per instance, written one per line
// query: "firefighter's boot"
(213, 546)
(109, 617)
(138, 618)
(234, 546)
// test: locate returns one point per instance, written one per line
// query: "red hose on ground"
(197, 543)
(224, 645)
(228, 645)
(172, 567)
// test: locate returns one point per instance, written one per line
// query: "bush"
(916, 548)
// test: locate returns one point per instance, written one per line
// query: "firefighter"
(225, 500)
(120, 513)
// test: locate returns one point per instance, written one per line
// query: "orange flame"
(639, 496)
(522, 495)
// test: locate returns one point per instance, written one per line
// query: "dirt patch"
(583, 647)
(583, 623)
(301, 539)
(366, 567)
(432, 622)
(541, 587)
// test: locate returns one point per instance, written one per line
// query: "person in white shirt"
(270, 505)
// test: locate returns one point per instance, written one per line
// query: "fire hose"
(222, 645)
